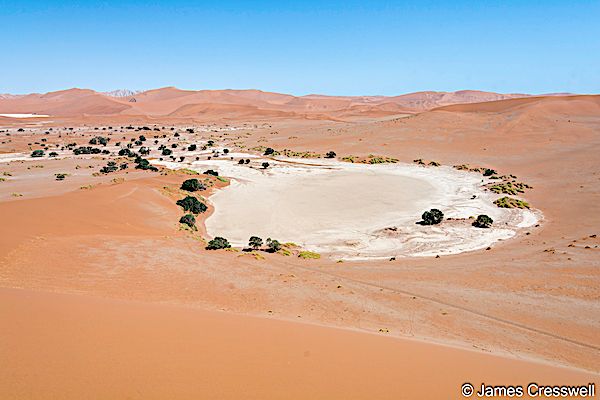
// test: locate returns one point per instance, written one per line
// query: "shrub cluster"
(192, 204)
(218, 243)
(111, 166)
(189, 220)
(99, 140)
(86, 150)
(483, 221)
(192, 185)
(432, 217)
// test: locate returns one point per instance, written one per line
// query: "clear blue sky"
(331, 47)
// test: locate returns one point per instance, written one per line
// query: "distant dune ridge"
(241, 104)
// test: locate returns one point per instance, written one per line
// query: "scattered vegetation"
(99, 140)
(127, 153)
(86, 150)
(143, 164)
(111, 166)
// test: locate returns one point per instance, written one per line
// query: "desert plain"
(105, 294)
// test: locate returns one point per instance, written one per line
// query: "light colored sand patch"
(9, 157)
(24, 115)
(356, 211)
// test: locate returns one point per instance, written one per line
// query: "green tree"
(432, 217)
(483, 221)
(189, 220)
(37, 153)
(273, 245)
(192, 205)
(218, 243)
(330, 154)
(192, 185)
(255, 242)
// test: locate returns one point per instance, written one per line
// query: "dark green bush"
(432, 217)
(218, 243)
(86, 150)
(255, 242)
(192, 205)
(189, 220)
(273, 245)
(37, 153)
(483, 221)
(192, 185)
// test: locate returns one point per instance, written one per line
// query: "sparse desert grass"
(254, 254)
(309, 255)
(381, 160)
(509, 202)
(513, 188)
(285, 252)
(300, 154)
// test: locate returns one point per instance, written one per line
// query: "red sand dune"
(176, 102)
(145, 351)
